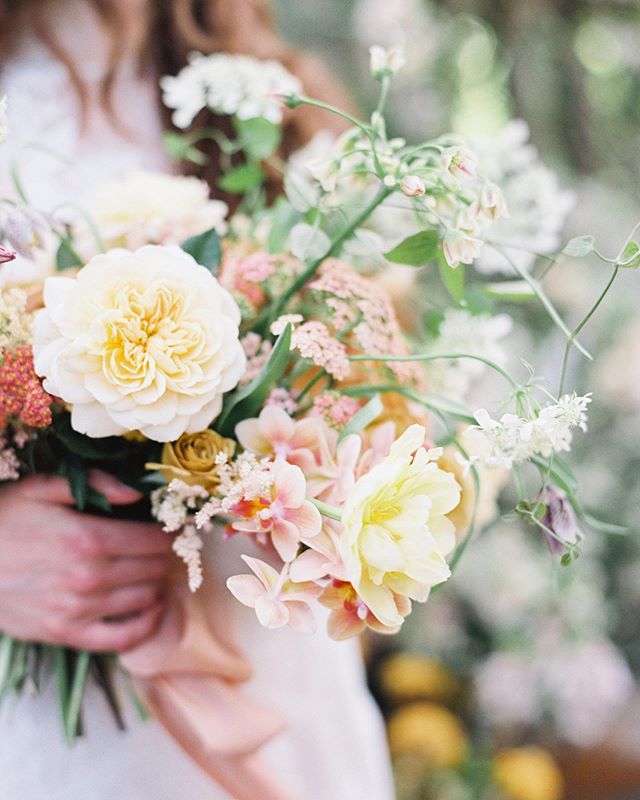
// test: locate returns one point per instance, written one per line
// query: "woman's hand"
(88, 582)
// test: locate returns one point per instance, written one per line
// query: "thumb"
(116, 492)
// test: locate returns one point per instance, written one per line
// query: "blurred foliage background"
(519, 679)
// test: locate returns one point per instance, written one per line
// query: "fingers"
(54, 489)
(122, 601)
(121, 636)
(120, 538)
(101, 576)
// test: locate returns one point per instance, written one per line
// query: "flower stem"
(327, 511)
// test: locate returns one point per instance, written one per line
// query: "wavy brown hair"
(172, 30)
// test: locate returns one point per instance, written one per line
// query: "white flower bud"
(384, 62)
(412, 186)
(459, 248)
(461, 162)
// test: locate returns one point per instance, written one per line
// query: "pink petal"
(276, 425)
(245, 588)
(267, 575)
(343, 624)
(301, 617)
(308, 566)
(285, 538)
(307, 434)
(302, 457)
(250, 436)
(307, 520)
(271, 613)
(289, 484)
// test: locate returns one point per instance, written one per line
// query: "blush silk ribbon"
(188, 675)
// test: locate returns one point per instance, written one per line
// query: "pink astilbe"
(277, 600)
(313, 340)
(257, 351)
(22, 397)
(359, 304)
(284, 515)
(335, 409)
(280, 397)
(9, 463)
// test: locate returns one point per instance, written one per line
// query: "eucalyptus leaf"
(579, 246)
(308, 243)
(247, 401)
(205, 248)
(417, 250)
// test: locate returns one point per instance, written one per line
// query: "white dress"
(334, 746)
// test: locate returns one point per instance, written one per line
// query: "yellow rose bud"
(192, 458)
(429, 731)
(528, 773)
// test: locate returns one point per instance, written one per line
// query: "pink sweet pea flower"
(350, 616)
(323, 557)
(335, 474)
(6, 255)
(277, 600)
(274, 433)
(286, 515)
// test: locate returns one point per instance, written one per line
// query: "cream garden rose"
(144, 340)
(152, 208)
(395, 532)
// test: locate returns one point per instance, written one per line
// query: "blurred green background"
(519, 679)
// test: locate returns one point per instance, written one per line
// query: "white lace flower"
(145, 340)
(383, 62)
(228, 84)
(515, 439)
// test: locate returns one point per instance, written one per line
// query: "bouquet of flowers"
(249, 379)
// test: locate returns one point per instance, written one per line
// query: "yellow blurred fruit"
(430, 731)
(405, 676)
(528, 773)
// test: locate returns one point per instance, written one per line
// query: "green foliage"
(285, 216)
(247, 401)
(367, 414)
(66, 256)
(242, 179)
(630, 258)
(206, 249)
(452, 277)
(180, 147)
(258, 137)
(579, 246)
(417, 250)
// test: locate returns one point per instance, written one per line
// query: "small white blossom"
(514, 439)
(229, 84)
(412, 186)
(383, 62)
(461, 162)
(460, 248)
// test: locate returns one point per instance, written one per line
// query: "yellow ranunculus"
(405, 676)
(528, 773)
(192, 458)
(430, 731)
(395, 532)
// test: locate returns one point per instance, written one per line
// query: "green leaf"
(242, 179)
(630, 258)
(259, 138)
(308, 243)
(75, 472)
(300, 193)
(561, 474)
(247, 401)
(367, 414)
(417, 250)
(513, 291)
(453, 278)
(602, 526)
(579, 246)
(205, 248)
(66, 256)
(111, 448)
(284, 217)
(180, 147)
